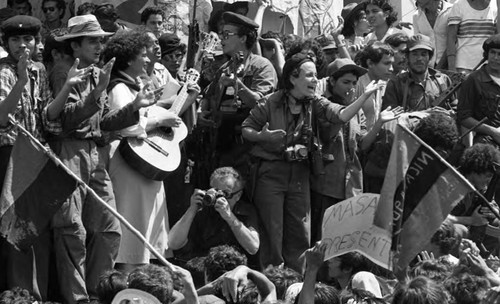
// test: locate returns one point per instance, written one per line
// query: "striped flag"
(34, 189)
(420, 189)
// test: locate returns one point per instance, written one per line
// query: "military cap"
(239, 20)
(21, 25)
(420, 41)
(344, 65)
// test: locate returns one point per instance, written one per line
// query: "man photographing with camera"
(218, 216)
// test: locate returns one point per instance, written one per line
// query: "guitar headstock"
(192, 76)
(209, 41)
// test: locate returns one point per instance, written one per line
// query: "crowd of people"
(277, 129)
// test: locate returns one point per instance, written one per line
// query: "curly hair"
(354, 261)
(432, 269)
(221, 259)
(110, 283)
(479, 158)
(446, 238)
(467, 288)
(309, 44)
(438, 130)
(125, 46)
(152, 10)
(420, 290)
(282, 278)
(386, 6)
(373, 52)
(251, 36)
(16, 295)
(153, 279)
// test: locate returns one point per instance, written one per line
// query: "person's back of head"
(153, 279)
(324, 294)
(282, 278)
(373, 54)
(433, 269)
(110, 283)
(438, 130)
(221, 259)
(420, 290)
(16, 295)
(467, 288)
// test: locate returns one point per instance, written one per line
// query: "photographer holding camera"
(218, 216)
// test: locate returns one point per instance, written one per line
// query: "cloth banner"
(35, 187)
(348, 226)
(419, 191)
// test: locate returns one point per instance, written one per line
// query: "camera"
(296, 153)
(211, 196)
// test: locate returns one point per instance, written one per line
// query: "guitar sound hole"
(167, 130)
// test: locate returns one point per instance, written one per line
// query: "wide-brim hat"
(344, 65)
(83, 26)
(351, 9)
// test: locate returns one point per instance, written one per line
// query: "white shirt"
(438, 33)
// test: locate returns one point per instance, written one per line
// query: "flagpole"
(124, 221)
(466, 182)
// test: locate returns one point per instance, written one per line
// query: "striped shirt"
(474, 27)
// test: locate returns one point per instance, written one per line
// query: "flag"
(420, 189)
(34, 189)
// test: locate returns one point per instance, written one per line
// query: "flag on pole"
(420, 189)
(34, 189)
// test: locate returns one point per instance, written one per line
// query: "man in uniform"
(237, 86)
(421, 87)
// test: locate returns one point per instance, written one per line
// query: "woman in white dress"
(139, 199)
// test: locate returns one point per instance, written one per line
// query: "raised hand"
(76, 75)
(390, 114)
(272, 135)
(315, 255)
(145, 97)
(373, 86)
(340, 26)
(22, 66)
(105, 75)
(425, 256)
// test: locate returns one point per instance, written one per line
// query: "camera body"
(296, 153)
(211, 196)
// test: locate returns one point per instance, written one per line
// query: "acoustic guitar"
(159, 154)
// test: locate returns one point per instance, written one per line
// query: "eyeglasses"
(226, 34)
(48, 9)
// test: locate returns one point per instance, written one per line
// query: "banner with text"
(348, 226)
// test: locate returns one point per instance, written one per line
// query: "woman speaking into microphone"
(282, 127)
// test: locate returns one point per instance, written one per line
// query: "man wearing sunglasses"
(218, 216)
(53, 11)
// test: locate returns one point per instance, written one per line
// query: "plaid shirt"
(31, 111)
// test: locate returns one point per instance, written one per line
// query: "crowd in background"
(271, 131)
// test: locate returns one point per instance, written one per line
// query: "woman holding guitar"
(139, 199)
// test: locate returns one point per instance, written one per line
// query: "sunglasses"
(48, 9)
(226, 34)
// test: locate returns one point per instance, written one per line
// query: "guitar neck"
(180, 100)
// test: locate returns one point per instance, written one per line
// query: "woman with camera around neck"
(281, 126)
(217, 216)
